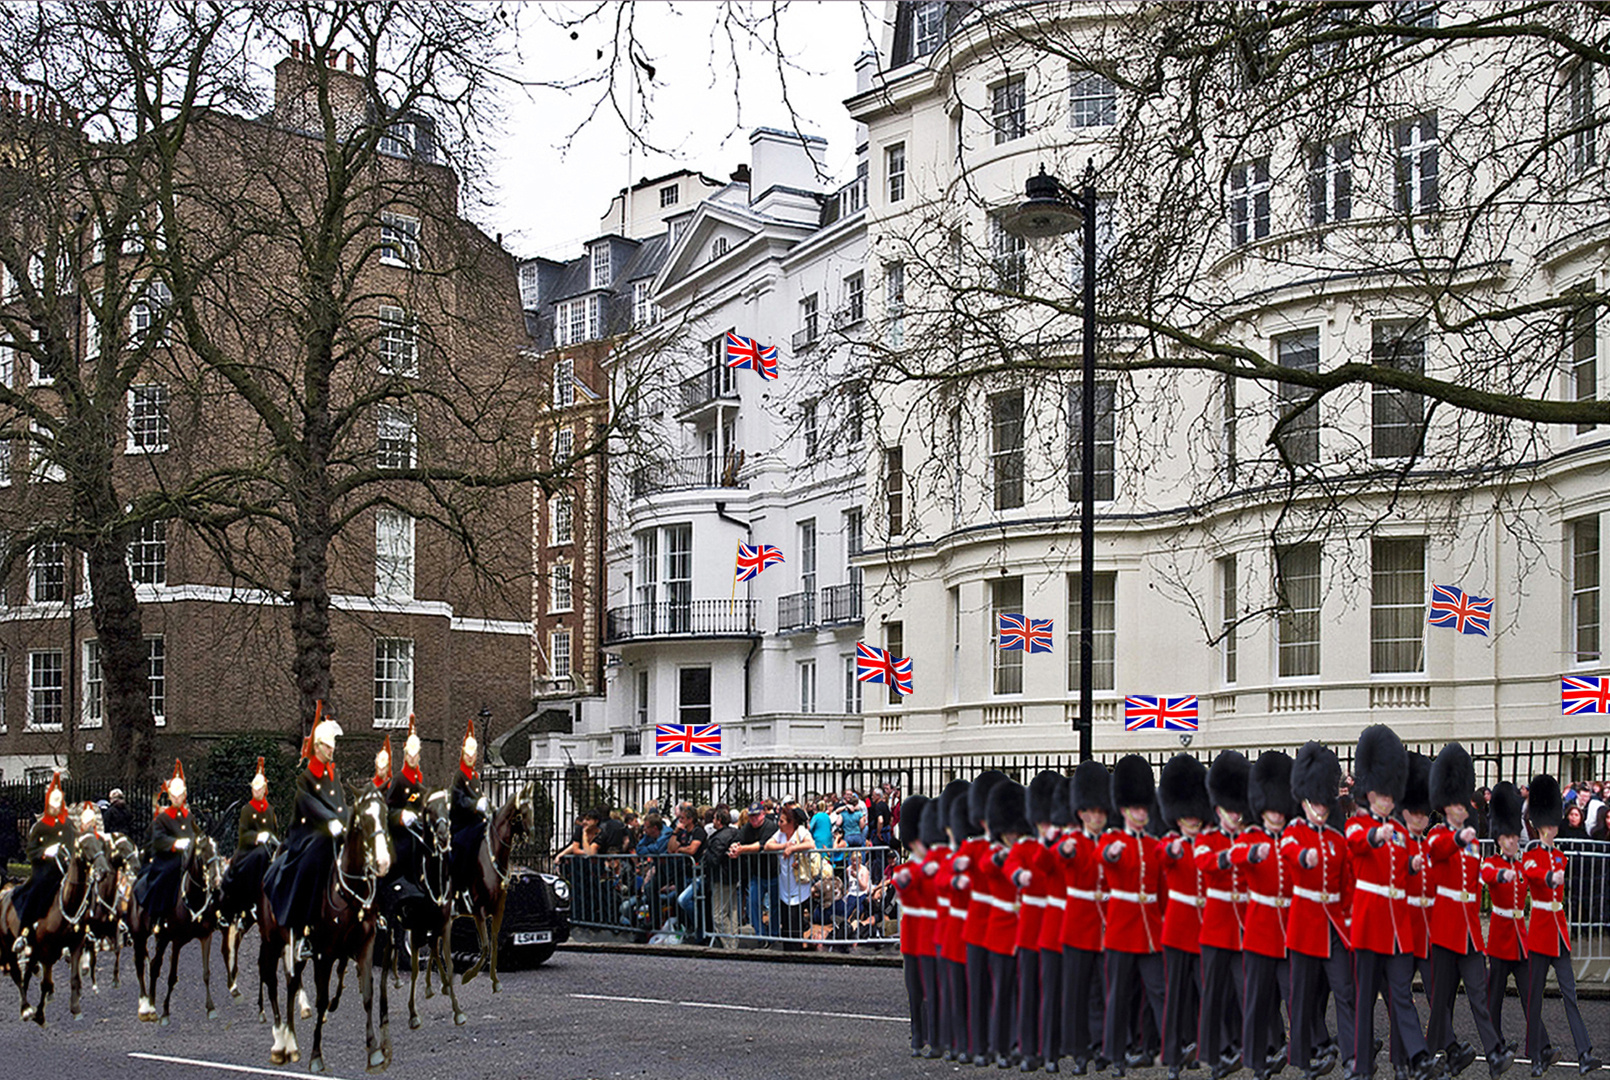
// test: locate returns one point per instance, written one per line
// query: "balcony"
(685, 474)
(809, 336)
(847, 200)
(713, 384)
(685, 618)
(796, 611)
(850, 314)
(841, 604)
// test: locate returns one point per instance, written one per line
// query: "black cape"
(301, 868)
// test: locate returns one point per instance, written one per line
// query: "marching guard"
(1316, 927)
(1414, 811)
(1183, 799)
(1084, 918)
(1134, 929)
(970, 884)
(1033, 860)
(300, 869)
(1054, 868)
(49, 843)
(255, 841)
(1263, 947)
(1503, 874)
(1006, 816)
(953, 906)
(1222, 914)
(917, 916)
(173, 833)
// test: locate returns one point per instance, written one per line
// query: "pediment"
(713, 224)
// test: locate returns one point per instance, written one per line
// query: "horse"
(60, 931)
(345, 930)
(106, 914)
(193, 918)
(426, 920)
(488, 890)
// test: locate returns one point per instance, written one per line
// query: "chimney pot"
(351, 62)
(296, 47)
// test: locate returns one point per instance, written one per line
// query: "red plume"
(259, 765)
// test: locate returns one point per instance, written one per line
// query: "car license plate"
(533, 937)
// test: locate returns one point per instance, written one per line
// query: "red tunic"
(1506, 929)
(1268, 889)
(1455, 874)
(1182, 918)
(1422, 896)
(1320, 897)
(1380, 898)
(974, 895)
(1027, 854)
(1084, 876)
(1548, 934)
(1134, 889)
(1224, 887)
(1056, 897)
(917, 911)
(1000, 924)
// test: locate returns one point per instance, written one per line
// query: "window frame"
(561, 588)
(140, 550)
(397, 343)
(1291, 620)
(1416, 165)
(555, 637)
(1008, 449)
(34, 567)
(391, 656)
(92, 710)
(1249, 191)
(399, 240)
(1092, 99)
(1330, 180)
(156, 425)
(561, 509)
(894, 171)
(1104, 638)
(396, 437)
(156, 677)
(31, 721)
(1006, 668)
(1400, 345)
(1585, 599)
(1407, 608)
(396, 554)
(1009, 114)
(1293, 351)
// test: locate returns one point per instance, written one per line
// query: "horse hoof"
(27, 1012)
(316, 1065)
(296, 1055)
(234, 992)
(212, 1014)
(276, 1057)
(306, 1013)
(414, 1023)
(377, 1060)
(262, 1017)
(164, 1022)
(460, 1018)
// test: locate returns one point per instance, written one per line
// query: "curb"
(700, 952)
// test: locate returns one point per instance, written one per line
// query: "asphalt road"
(583, 1016)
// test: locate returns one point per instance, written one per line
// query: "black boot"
(1588, 1064)
(1500, 1059)
(1546, 1060)
(1458, 1057)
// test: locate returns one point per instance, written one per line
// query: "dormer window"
(600, 267)
(720, 247)
(398, 139)
(669, 196)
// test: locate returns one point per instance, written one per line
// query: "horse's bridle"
(93, 877)
(208, 889)
(370, 873)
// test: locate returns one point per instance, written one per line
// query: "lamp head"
(1045, 211)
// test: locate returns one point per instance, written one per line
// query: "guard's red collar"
(469, 773)
(174, 811)
(50, 822)
(381, 781)
(318, 768)
(260, 805)
(411, 775)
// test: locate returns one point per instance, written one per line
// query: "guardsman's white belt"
(1271, 901)
(1227, 896)
(1187, 898)
(1455, 894)
(1381, 890)
(1316, 896)
(1132, 897)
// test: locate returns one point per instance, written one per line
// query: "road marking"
(222, 1066)
(739, 1008)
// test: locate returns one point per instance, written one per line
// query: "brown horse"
(345, 930)
(193, 918)
(106, 915)
(488, 890)
(60, 931)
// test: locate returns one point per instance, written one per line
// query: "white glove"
(1176, 847)
(181, 843)
(1506, 876)
(1112, 851)
(263, 838)
(52, 851)
(336, 827)
(963, 863)
(409, 817)
(1309, 858)
(1557, 878)
(480, 804)
(1022, 878)
(1260, 852)
(1466, 837)
(929, 869)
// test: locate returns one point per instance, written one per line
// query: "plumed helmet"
(1061, 812)
(931, 827)
(1417, 789)
(1042, 795)
(259, 781)
(411, 744)
(1543, 802)
(1269, 785)
(325, 733)
(1227, 782)
(1133, 783)
(89, 818)
(1453, 777)
(1182, 791)
(1504, 810)
(978, 797)
(1007, 812)
(175, 783)
(1316, 775)
(1091, 788)
(469, 740)
(55, 801)
(1381, 764)
(911, 820)
(383, 759)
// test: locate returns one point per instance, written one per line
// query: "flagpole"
(732, 600)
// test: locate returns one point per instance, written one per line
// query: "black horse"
(193, 918)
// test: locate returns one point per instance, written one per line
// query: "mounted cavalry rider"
(50, 844)
(302, 866)
(406, 800)
(254, 847)
(173, 833)
(467, 815)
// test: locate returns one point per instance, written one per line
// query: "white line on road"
(738, 1008)
(222, 1066)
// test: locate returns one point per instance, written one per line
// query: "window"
(1228, 427)
(852, 548)
(394, 554)
(678, 228)
(399, 243)
(45, 690)
(720, 247)
(1249, 201)
(530, 286)
(398, 139)
(1580, 118)
(852, 685)
(561, 518)
(648, 567)
(559, 654)
(807, 686)
(94, 709)
(5, 462)
(1103, 631)
(1009, 254)
(394, 681)
(679, 576)
(148, 419)
(669, 196)
(854, 298)
(148, 554)
(600, 266)
(399, 347)
(1106, 441)
(48, 573)
(1299, 439)
(693, 695)
(149, 312)
(894, 489)
(1415, 12)
(894, 302)
(1006, 448)
(1397, 416)
(577, 321)
(1229, 609)
(1330, 180)
(642, 303)
(807, 559)
(1583, 534)
(1093, 100)
(1584, 334)
(564, 445)
(1397, 605)
(1008, 116)
(8, 363)
(395, 440)
(1416, 160)
(928, 25)
(808, 320)
(894, 639)
(1006, 598)
(156, 678)
(1105, 232)
(894, 167)
(559, 591)
(42, 445)
(1297, 624)
(854, 413)
(5, 687)
(564, 383)
(809, 429)
(642, 699)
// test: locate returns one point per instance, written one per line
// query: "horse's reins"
(368, 873)
(207, 893)
(61, 893)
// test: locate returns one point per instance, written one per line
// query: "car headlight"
(561, 889)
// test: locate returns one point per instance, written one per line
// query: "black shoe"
(1173, 1072)
(1499, 1061)
(1052, 1066)
(1549, 1058)
(1002, 1061)
(949, 1055)
(1101, 1063)
(916, 1051)
(1588, 1064)
(1136, 1059)
(1400, 1072)
(1030, 1064)
(1325, 1063)
(980, 1060)
(1459, 1058)
(1080, 1066)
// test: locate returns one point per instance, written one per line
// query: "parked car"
(536, 921)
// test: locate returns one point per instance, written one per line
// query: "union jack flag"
(1162, 713)
(752, 560)
(900, 672)
(872, 664)
(1459, 610)
(747, 354)
(702, 739)
(1585, 695)
(1018, 633)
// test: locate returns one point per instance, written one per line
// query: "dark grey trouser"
(1081, 971)
(1050, 1004)
(1499, 974)
(1312, 979)
(1392, 973)
(1448, 970)
(1221, 979)
(1181, 1003)
(1123, 968)
(1537, 1035)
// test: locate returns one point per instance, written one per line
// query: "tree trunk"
(125, 663)
(310, 617)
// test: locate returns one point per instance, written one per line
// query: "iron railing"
(687, 618)
(685, 474)
(847, 200)
(807, 336)
(713, 383)
(796, 610)
(841, 604)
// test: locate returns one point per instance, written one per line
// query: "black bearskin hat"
(953, 808)
(932, 826)
(1042, 795)
(1091, 789)
(1007, 811)
(1182, 791)
(1316, 775)
(1453, 777)
(1227, 782)
(978, 796)
(1381, 764)
(1269, 785)
(1133, 783)
(911, 820)
(1417, 791)
(1543, 802)
(1504, 811)
(1061, 812)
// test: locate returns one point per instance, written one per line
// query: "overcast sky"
(546, 198)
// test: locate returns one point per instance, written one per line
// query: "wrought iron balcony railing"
(841, 604)
(684, 618)
(795, 611)
(712, 384)
(684, 474)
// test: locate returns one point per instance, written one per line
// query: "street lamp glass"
(1045, 211)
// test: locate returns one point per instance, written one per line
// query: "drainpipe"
(754, 643)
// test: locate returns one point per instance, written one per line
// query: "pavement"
(585, 1015)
